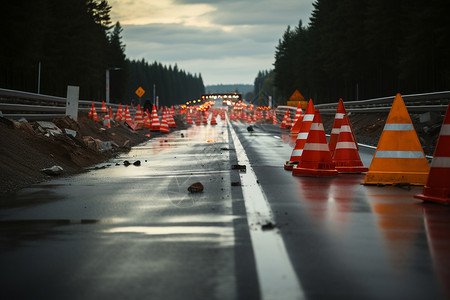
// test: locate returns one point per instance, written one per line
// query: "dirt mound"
(28, 147)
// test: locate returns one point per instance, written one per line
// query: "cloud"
(225, 41)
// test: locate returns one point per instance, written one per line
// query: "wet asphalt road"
(136, 233)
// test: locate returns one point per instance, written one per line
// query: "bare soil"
(25, 150)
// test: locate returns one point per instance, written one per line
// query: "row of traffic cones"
(398, 159)
(141, 119)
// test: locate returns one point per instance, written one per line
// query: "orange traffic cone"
(91, 111)
(316, 157)
(340, 112)
(301, 137)
(346, 157)
(297, 120)
(127, 114)
(171, 120)
(285, 118)
(213, 120)
(147, 119)
(155, 120)
(249, 118)
(188, 118)
(198, 120)
(103, 108)
(399, 157)
(274, 119)
(138, 117)
(164, 127)
(119, 113)
(437, 188)
(107, 120)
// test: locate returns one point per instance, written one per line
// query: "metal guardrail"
(18, 104)
(437, 101)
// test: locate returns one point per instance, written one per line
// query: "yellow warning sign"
(140, 91)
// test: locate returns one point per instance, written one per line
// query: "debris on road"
(54, 171)
(242, 168)
(268, 226)
(196, 187)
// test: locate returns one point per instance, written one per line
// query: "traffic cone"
(138, 117)
(147, 119)
(285, 118)
(399, 157)
(316, 157)
(205, 118)
(213, 120)
(155, 120)
(188, 118)
(164, 127)
(119, 113)
(346, 157)
(437, 188)
(91, 111)
(274, 119)
(301, 137)
(171, 120)
(297, 120)
(94, 113)
(340, 112)
(103, 108)
(249, 118)
(198, 119)
(107, 119)
(127, 114)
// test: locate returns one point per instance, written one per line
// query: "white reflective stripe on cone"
(339, 116)
(398, 127)
(316, 147)
(297, 152)
(335, 131)
(399, 154)
(302, 136)
(440, 162)
(317, 126)
(345, 128)
(345, 145)
(445, 129)
(308, 117)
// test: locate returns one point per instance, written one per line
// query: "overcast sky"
(227, 41)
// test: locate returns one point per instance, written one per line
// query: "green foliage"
(358, 49)
(264, 87)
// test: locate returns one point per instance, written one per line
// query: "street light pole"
(107, 85)
(39, 79)
(107, 82)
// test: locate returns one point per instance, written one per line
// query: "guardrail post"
(73, 93)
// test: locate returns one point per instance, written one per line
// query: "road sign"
(140, 91)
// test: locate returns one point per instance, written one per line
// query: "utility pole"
(39, 79)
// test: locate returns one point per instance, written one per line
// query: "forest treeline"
(74, 43)
(172, 85)
(360, 49)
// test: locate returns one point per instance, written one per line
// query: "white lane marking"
(276, 275)
(277, 137)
